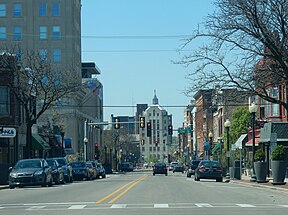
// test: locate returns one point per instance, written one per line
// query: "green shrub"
(259, 155)
(278, 153)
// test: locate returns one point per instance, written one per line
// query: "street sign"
(7, 132)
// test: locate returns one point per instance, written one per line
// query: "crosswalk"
(66, 206)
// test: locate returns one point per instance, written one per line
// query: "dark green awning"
(38, 143)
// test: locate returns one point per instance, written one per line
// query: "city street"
(141, 193)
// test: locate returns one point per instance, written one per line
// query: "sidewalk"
(246, 180)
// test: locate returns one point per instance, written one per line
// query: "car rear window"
(160, 164)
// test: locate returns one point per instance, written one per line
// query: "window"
(2, 33)
(56, 9)
(17, 10)
(17, 33)
(42, 10)
(143, 149)
(275, 107)
(2, 10)
(43, 54)
(56, 55)
(56, 32)
(43, 32)
(4, 101)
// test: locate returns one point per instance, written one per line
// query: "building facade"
(156, 147)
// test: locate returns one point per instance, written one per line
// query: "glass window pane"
(43, 10)
(17, 9)
(17, 33)
(56, 55)
(2, 10)
(56, 32)
(56, 9)
(43, 32)
(2, 33)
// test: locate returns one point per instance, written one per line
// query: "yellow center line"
(125, 191)
(119, 189)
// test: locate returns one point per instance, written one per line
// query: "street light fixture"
(85, 145)
(210, 135)
(252, 110)
(227, 125)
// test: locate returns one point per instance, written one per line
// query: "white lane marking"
(76, 207)
(161, 206)
(285, 206)
(119, 206)
(246, 205)
(1, 208)
(202, 205)
(35, 208)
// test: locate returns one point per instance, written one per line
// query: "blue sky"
(132, 42)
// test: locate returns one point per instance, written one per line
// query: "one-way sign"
(7, 132)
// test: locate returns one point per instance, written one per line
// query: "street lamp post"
(62, 133)
(85, 148)
(227, 125)
(210, 135)
(252, 110)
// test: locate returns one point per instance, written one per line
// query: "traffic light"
(116, 125)
(170, 129)
(97, 151)
(142, 122)
(148, 129)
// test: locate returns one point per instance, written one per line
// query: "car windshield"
(28, 164)
(160, 164)
(78, 164)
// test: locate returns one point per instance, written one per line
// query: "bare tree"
(247, 48)
(38, 84)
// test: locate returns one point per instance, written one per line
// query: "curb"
(273, 187)
(2, 187)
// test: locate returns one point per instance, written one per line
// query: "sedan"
(29, 172)
(57, 171)
(192, 165)
(101, 170)
(209, 169)
(160, 168)
(178, 168)
(80, 170)
(66, 168)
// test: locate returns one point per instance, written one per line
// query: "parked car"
(160, 168)
(191, 167)
(57, 171)
(29, 172)
(91, 171)
(209, 169)
(171, 165)
(80, 170)
(179, 168)
(94, 164)
(67, 169)
(126, 167)
(101, 170)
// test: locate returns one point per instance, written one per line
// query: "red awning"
(249, 143)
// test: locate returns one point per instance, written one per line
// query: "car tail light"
(219, 169)
(202, 168)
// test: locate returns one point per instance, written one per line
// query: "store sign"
(7, 132)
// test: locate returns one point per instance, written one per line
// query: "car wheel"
(188, 175)
(11, 186)
(166, 174)
(219, 180)
(153, 174)
(44, 184)
(104, 176)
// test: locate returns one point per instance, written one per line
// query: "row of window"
(4, 101)
(43, 9)
(43, 33)
(43, 54)
(154, 149)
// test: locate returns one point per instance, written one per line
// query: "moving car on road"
(160, 168)
(29, 172)
(171, 165)
(209, 169)
(178, 168)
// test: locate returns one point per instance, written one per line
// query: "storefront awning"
(38, 143)
(249, 143)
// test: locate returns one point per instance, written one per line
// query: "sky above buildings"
(134, 43)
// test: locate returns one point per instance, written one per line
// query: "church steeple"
(155, 99)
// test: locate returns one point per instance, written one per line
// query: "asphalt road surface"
(142, 193)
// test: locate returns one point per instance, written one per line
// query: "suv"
(191, 167)
(67, 169)
(160, 168)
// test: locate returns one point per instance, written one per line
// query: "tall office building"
(51, 29)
